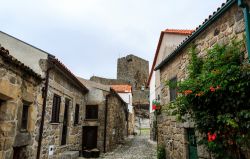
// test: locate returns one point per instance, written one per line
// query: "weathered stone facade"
(134, 70)
(131, 122)
(172, 134)
(116, 120)
(62, 85)
(19, 86)
(107, 81)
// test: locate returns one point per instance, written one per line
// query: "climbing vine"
(216, 96)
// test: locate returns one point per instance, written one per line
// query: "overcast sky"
(89, 35)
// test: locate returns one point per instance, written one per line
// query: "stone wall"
(60, 85)
(17, 87)
(116, 122)
(107, 81)
(131, 123)
(135, 70)
(152, 123)
(171, 133)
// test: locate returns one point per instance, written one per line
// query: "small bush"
(161, 152)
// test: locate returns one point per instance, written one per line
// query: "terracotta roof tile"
(173, 31)
(211, 18)
(179, 31)
(122, 88)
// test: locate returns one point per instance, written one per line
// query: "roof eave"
(72, 76)
(196, 33)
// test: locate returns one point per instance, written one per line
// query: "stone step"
(70, 155)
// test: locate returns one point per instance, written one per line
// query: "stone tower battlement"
(133, 69)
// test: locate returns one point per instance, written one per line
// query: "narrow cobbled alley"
(136, 147)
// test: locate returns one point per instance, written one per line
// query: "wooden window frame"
(56, 109)
(88, 115)
(173, 91)
(77, 112)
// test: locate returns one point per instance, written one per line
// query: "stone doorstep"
(69, 155)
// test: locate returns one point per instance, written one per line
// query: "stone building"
(20, 101)
(125, 92)
(58, 131)
(226, 23)
(105, 119)
(135, 70)
(168, 41)
(64, 108)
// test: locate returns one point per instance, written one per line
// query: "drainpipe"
(245, 10)
(127, 116)
(45, 92)
(105, 123)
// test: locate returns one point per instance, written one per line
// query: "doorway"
(192, 145)
(89, 137)
(19, 152)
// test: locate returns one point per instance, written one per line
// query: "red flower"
(187, 92)
(212, 89)
(211, 137)
(199, 94)
(153, 107)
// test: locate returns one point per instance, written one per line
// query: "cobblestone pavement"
(138, 147)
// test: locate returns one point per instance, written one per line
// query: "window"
(1, 102)
(56, 109)
(173, 92)
(91, 111)
(25, 114)
(76, 114)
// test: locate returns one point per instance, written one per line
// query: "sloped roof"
(68, 72)
(170, 31)
(211, 18)
(93, 84)
(122, 88)
(103, 87)
(5, 54)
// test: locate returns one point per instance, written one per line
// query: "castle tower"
(135, 70)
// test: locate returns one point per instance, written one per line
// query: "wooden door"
(89, 137)
(65, 123)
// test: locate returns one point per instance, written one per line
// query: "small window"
(25, 114)
(173, 92)
(1, 102)
(92, 112)
(76, 121)
(56, 109)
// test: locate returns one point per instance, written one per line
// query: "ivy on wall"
(216, 96)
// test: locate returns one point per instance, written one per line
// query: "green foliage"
(216, 97)
(161, 152)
